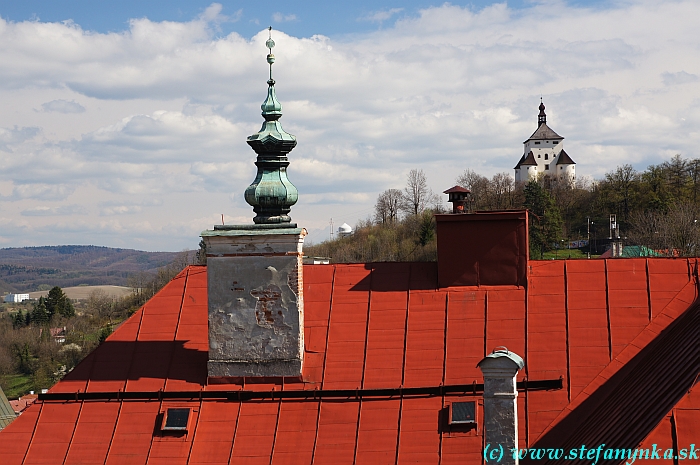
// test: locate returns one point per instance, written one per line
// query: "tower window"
(537, 143)
(546, 167)
(539, 156)
(546, 156)
(555, 142)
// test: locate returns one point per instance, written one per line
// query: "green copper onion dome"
(271, 194)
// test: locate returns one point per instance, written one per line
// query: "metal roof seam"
(194, 431)
(325, 361)
(527, 364)
(138, 334)
(31, 440)
(177, 328)
(235, 432)
(277, 425)
(648, 290)
(567, 322)
(364, 354)
(607, 309)
(75, 426)
(328, 327)
(114, 431)
(486, 322)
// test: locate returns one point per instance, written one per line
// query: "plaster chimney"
(500, 369)
(256, 306)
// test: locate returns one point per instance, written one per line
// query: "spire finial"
(542, 117)
(270, 57)
(271, 194)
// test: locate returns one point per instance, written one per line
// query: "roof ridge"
(544, 132)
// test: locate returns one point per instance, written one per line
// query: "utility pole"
(588, 229)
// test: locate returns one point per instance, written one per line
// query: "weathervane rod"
(270, 57)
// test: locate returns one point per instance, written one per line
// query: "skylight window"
(463, 413)
(176, 419)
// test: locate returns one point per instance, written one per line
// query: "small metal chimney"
(501, 402)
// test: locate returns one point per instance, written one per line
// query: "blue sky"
(126, 125)
(304, 19)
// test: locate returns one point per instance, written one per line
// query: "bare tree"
(388, 205)
(478, 185)
(417, 194)
(502, 190)
(102, 305)
(672, 233)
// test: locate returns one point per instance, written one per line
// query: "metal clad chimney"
(500, 369)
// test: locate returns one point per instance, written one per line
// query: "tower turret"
(542, 117)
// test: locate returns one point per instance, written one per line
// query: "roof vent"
(176, 419)
(463, 413)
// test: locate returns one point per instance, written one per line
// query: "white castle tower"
(544, 153)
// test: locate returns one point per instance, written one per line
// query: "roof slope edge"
(623, 409)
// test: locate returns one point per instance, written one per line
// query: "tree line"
(657, 208)
(31, 359)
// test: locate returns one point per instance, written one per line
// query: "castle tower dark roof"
(565, 159)
(544, 132)
(528, 160)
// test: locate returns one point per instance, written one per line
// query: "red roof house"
(610, 348)
(379, 360)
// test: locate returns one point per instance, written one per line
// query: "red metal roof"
(377, 326)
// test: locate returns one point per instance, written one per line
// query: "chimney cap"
(500, 352)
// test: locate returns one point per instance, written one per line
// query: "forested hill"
(34, 268)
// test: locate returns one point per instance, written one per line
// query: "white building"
(345, 230)
(16, 298)
(544, 153)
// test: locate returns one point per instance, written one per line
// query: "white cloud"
(13, 137)
(159, 113)
(41, 192)
(380, 16)
(282, 18)
(120, 210)
(63, 210)
(680, 77)
(63, 106)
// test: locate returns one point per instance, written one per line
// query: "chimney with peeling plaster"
(255, 280)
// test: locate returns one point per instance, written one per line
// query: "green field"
(15, 386)
(563, 254)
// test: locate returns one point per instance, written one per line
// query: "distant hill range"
(29, 269)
